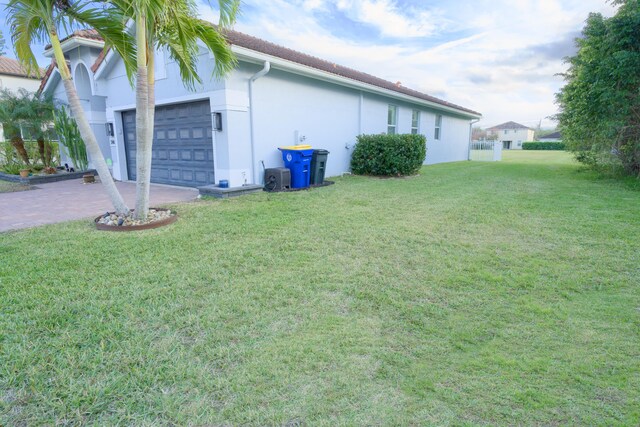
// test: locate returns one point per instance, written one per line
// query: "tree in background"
(37, 115)
(12, 111)
(477, 133)
(600, 104)
(2, 44)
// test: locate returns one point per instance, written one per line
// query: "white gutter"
(265, 69)
(293, 67)
(471, 136)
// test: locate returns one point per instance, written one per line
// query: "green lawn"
(472, 294)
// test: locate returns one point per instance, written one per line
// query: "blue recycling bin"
(297, 158)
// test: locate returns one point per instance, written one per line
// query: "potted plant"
(24, 173)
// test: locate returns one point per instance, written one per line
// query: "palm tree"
(38, 115)
(41, 20)
(174, 26)
(11, 117)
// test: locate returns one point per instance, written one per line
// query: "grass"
(473, 294)
(10, 187)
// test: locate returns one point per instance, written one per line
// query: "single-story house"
(552, 137)
(14, 77)
(230, 129)
(511, 135)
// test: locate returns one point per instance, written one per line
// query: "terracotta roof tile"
(12, 67)
(90, 34)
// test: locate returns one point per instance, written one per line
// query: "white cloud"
(388, 18)
(498, 57)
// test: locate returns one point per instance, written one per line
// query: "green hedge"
(543, 146)
(388, 155)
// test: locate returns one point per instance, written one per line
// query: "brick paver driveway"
(68, 200)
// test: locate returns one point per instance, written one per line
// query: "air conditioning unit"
(277, 179)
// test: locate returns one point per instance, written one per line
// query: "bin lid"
(295, 147)
(321, 151)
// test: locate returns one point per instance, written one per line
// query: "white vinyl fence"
(485, 151)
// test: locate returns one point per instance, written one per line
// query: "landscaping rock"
(154, 215)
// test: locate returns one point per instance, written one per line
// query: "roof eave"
(20, 76)
(73, 42)
(51, 82)
(249, 55)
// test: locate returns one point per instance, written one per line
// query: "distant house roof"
(509, 125)
(236, 38)
(554, 135)
(11, 67)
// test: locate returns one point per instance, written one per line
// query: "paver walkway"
(69, 200)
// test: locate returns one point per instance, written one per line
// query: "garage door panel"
(182, 151)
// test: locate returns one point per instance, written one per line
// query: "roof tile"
(12, 67)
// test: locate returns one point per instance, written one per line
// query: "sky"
(498, 57)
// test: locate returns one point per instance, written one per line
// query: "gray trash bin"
(318, 166)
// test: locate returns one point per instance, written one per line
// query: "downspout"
(360, 107)
(470, 136)
(256, 76)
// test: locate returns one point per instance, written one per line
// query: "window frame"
(437, 130)
(392, 121)
(415, 129)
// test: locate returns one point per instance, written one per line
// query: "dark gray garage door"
(182, 144)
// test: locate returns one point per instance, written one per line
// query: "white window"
(506, 131)
(392, 120)
(415, 122)
(436, 134)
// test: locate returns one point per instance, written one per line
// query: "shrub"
(13, 168)
(69, 136)
(388, 155)
(543, 146)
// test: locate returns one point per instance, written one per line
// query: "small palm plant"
(37, 114)
(12, 119)
(69, 136)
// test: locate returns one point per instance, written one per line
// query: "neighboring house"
(552, 137)
(275, 97)
(14, 77)
(512, 135)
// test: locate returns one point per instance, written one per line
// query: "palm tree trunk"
(143, 153)
(151, 106)
(40, 141)
(18, 144)
(85, 130)
(47, 153)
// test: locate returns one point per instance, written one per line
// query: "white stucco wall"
(516, 136)
(288, 108)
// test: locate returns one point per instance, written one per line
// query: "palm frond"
(225, 59)
(228, 12)
(29, 20)
(111, 24)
